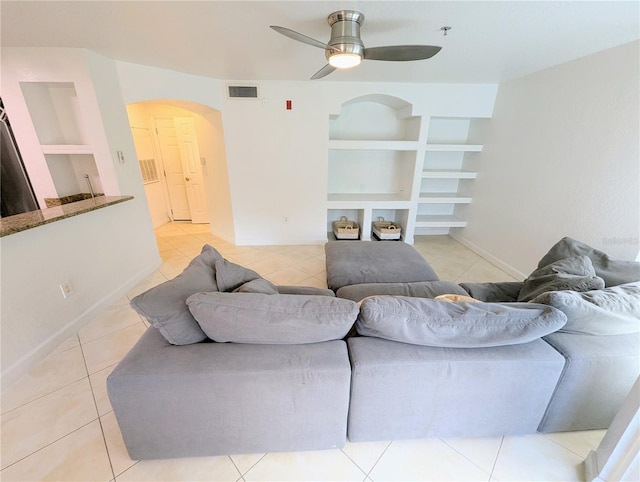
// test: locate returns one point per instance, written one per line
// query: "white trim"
(489, 257)
(22, 366)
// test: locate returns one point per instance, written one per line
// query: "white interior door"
(192, 168)
(171, 158)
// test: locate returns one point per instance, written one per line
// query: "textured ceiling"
(489, 42)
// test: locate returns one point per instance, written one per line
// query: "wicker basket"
(345, 229)
(386, 229)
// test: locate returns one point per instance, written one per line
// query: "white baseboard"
(30, 359)
(489, 257)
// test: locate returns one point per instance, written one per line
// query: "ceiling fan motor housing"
(345, 33)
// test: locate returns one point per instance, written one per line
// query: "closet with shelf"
(385, 162)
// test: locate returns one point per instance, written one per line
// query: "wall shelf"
(440, 198)
(436, 221)
(383, 162)
(66, 149)
(445, 174)
(454, 147)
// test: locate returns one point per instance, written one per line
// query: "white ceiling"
(490, 41)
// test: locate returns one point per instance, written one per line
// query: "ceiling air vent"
(243, 91)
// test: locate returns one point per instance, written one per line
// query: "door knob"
(186, 178)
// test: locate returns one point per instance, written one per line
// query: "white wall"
(276, 159)
(102, 253)
(560, 159)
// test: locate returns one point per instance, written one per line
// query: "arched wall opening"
(181, 151)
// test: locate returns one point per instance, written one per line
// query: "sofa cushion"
(259, 285)
(423, 321)
(272, 319)
(304, 290)
(231, 276)
(611, 311)
(420, 289)
(355, 262)
(613, 271)
(165, 307)
(575, 273)
(502, 291)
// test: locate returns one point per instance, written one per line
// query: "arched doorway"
(180, 148)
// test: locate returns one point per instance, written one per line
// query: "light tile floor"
(57, 423)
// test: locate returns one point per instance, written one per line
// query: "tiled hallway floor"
(57, 423)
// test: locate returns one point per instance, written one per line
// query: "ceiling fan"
(345, 49)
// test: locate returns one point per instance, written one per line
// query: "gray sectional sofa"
(234, 364)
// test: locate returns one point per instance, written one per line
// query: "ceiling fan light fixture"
(344, 60)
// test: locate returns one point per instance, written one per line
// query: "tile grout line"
(495, 462)
(95, 403)
(468, 459)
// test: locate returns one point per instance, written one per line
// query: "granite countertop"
(32, 219)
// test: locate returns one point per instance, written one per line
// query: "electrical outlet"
(67, 289)
(285, 220)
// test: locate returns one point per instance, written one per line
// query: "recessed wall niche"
(57, 118)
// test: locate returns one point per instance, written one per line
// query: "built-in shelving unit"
(60, 127)
(383, 161)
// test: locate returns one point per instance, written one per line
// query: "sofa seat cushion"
(406, 391)
(272, 319)
(211, 399)
(418, 289)
(575, 273)
(611, 311)
(423, 321)
(355, 262)
(613, 271)
(165, 307)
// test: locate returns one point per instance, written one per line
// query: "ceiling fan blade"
(401, 52)
(323, 72)
(287, 32)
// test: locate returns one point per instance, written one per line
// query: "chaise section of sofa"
(400, 390)
(211, 398)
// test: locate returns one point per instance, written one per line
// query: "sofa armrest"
(501, 292)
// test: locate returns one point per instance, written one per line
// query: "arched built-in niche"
(387, 161)
(373, 146)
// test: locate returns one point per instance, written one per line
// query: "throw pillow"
(272, 319)
(611, 311)
(260, 285)
(575, 273)
(423, 321)
(613, 271)
(231, 276)
(165, 307)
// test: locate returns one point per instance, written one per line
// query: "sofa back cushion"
(611, 311)
(165, 307)
(423, 321)
(419, 289)
(613, 271)
(575, 273)
(272, 319)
